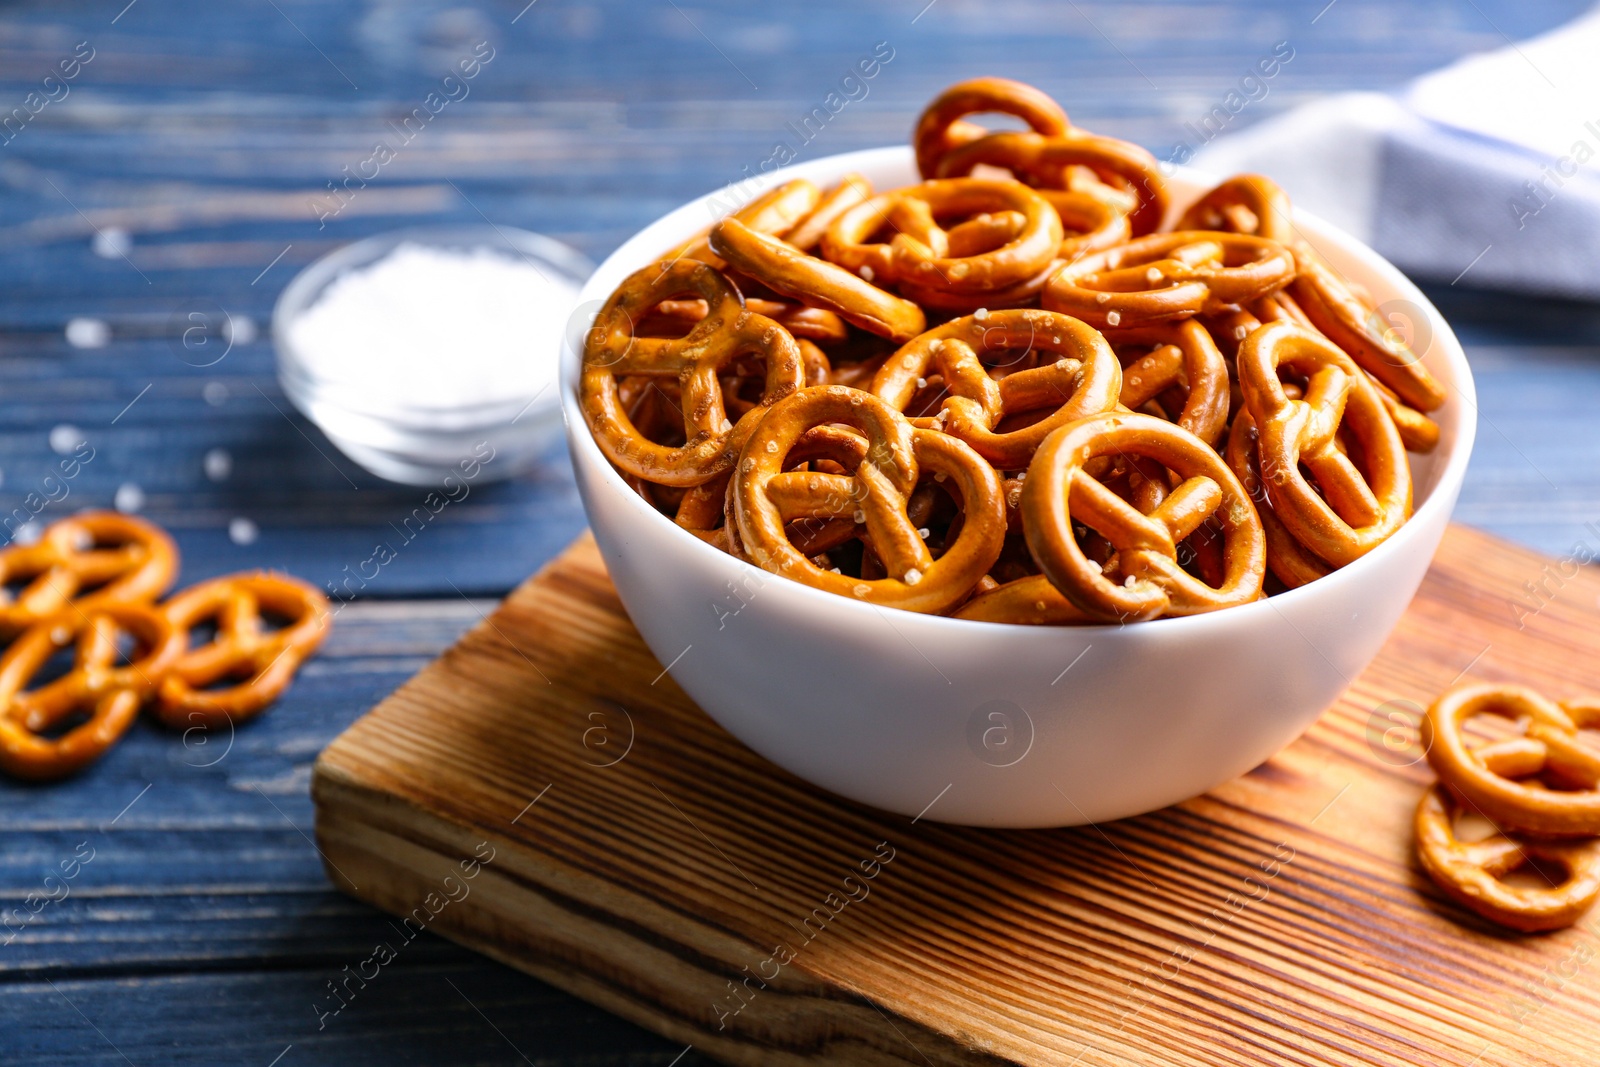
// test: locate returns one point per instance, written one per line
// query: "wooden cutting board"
(544, 793)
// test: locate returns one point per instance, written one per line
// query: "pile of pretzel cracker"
(1014, 392)
(1536, 790)
(89, 645)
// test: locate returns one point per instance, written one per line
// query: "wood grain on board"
(695, 888)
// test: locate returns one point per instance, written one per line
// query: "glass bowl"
(420, 444)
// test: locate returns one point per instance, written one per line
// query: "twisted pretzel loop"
(1060, 492)
(115, 557)
(924, 253)
(265, 662)
(942, 126)
(728, 331)
(766, 498)
(1347, 513)
(1084, 379)
(1549, 748)
(1168, 276)
(96, 685)
(1041, 160)
(815, 282)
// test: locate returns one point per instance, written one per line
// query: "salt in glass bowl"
(422, 444)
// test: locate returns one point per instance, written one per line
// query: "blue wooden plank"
(449, 1008)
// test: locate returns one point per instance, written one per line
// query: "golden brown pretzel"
(828, 449)
(727, 333)
(766, 498)
(1354, 511)
(1289, 561)
(920, 251)
(835, 450)
(1088, 222)
(1417, 432)
(1183, 358)
(677, 317)
(815, 282)
(109, 694)
(1040, 160)
(851, 190)
(1252, 204)
(115, 557)
(701, 510)
(1030, 601)
(1245, 203)
(1081, 378)
(1472, 873)
(1550, 749)
(263, 662)
(1355, 327)
(941, 128)
(1060, 492)
(1168, 276)
(939, 298)
(776, 211)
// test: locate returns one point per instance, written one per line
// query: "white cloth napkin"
(1486, 172)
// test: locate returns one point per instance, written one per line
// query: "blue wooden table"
(182, 172)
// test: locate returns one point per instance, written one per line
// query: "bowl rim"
(1448, 475)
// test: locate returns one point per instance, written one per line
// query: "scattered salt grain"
(113, 242)
(129, 498)
(241, 531)
(88, 333)
(1113, 318)
(913, 576)
(866, 273)
(65, 438)
(218, 464)
(240, 329)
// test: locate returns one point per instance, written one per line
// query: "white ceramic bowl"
(1000, 725)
